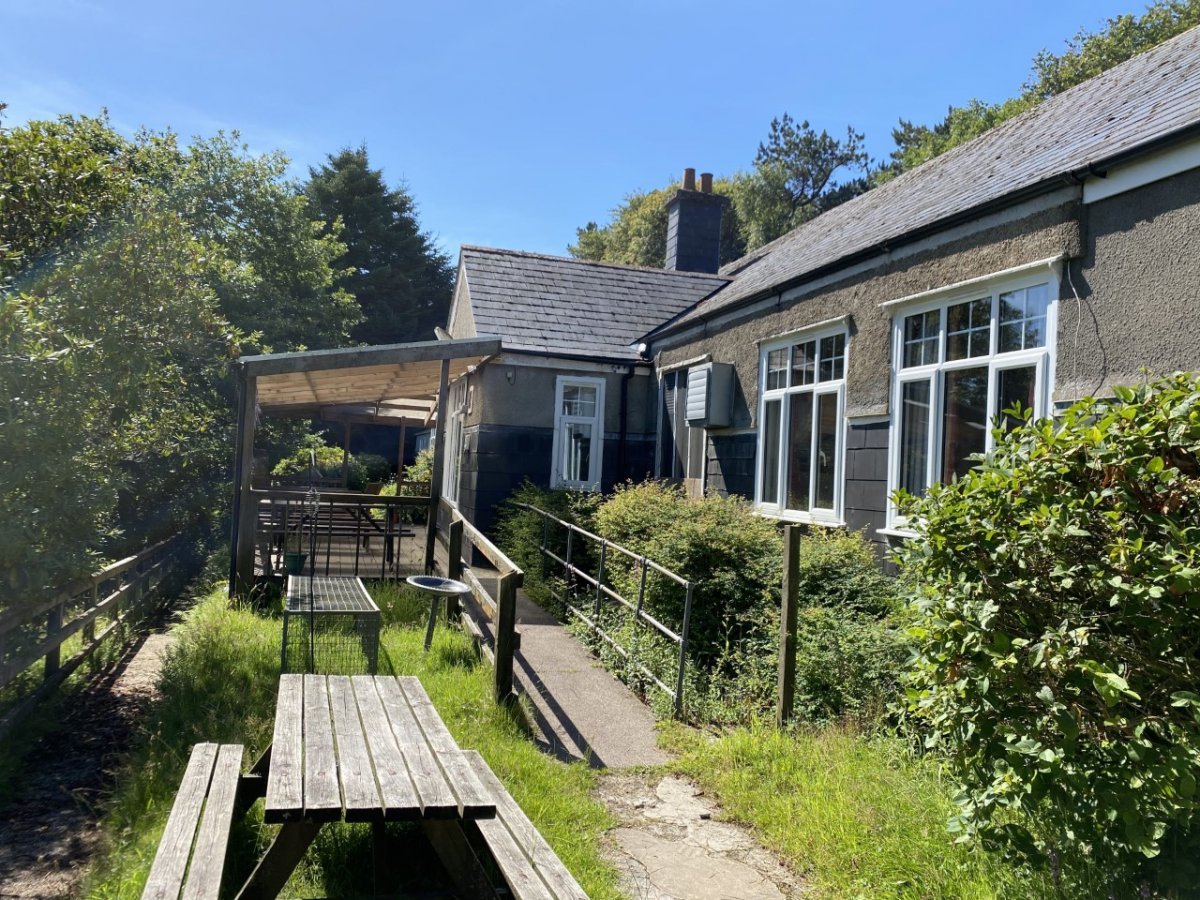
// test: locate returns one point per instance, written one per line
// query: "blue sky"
(515, 122)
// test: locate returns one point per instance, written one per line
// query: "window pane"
(770, 456)
(777, 362)
(827, 430)
(965, 424)
(833, 357)
(1015, 387)
(1023, 318)
(579, 400)
(577, 452)
(921, 338)
(914, 437)
(969, 329)
(804, 363)
(799, 453)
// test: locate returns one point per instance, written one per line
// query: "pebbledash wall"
(1129, 301)
(508, 427)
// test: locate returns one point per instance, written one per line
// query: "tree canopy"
(401, 280)
(131, 272)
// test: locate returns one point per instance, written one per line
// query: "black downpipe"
(622, 456)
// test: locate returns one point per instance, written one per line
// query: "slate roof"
(1134, 104)
(573, 307)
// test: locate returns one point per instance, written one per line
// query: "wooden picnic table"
(358, 748)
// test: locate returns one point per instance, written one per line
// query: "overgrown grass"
(219, 684)
(857, 816)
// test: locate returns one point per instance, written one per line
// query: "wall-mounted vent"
(710, 395)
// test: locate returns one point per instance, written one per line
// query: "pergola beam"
(318, 360)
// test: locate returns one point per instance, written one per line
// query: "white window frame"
(837, 387)
(1041, 358)
(596, 457)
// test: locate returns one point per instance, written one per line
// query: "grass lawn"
(857, 817)
(219, 684)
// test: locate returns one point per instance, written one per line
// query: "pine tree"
(400, 278)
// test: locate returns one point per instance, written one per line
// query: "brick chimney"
(694, 225)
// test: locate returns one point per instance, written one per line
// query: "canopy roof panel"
(386, 383)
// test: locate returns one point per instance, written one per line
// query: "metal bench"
(530, 867)
(191, 855)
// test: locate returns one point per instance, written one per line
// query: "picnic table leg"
(280, 860)
(458, 859)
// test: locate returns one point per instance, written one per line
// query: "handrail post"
(600, 581)
(545, 545)
(683, 645)
(786, 686)
(506, 622)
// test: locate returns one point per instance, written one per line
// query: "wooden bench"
(530, 867)
(197, 829)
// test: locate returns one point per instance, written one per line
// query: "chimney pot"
(706, 182)
(689, 179)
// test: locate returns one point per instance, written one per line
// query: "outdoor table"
(358, 748)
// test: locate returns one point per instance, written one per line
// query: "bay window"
(801, 409)
(961, 364)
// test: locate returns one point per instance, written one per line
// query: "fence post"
(506, 622)
(454, 566)
(89, 630)
(787, 625)
(54, 623)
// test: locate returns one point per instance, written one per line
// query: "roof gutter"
(1072, 177)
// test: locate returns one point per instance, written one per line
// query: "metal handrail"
(572, 571)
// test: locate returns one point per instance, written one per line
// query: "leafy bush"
(298, 466)
(1058, 591)
(375, 467)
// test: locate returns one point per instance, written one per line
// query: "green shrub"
(298, 466)
(1058, 592)
(731, 555)
(375, 467)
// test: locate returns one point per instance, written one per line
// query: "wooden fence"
(35, 633)
(499, 605)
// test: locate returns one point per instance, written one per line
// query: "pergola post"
(245, 510)
(400, 452)
(439, 455)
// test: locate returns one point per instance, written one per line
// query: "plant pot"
(293, 562)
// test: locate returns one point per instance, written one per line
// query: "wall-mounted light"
(511, 376)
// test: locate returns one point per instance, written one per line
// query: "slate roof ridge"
(652, 270)
(1151, 59)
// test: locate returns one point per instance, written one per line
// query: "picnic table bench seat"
(530, 867)
(191, 854)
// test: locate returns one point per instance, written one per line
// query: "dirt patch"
(672, 846)
(51, 830)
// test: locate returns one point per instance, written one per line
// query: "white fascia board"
(1149, 169)
(563, 363)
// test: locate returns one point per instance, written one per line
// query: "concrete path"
(584, 712)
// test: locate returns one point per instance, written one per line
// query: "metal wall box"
(710, 395)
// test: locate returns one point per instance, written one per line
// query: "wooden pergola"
(397, 384)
